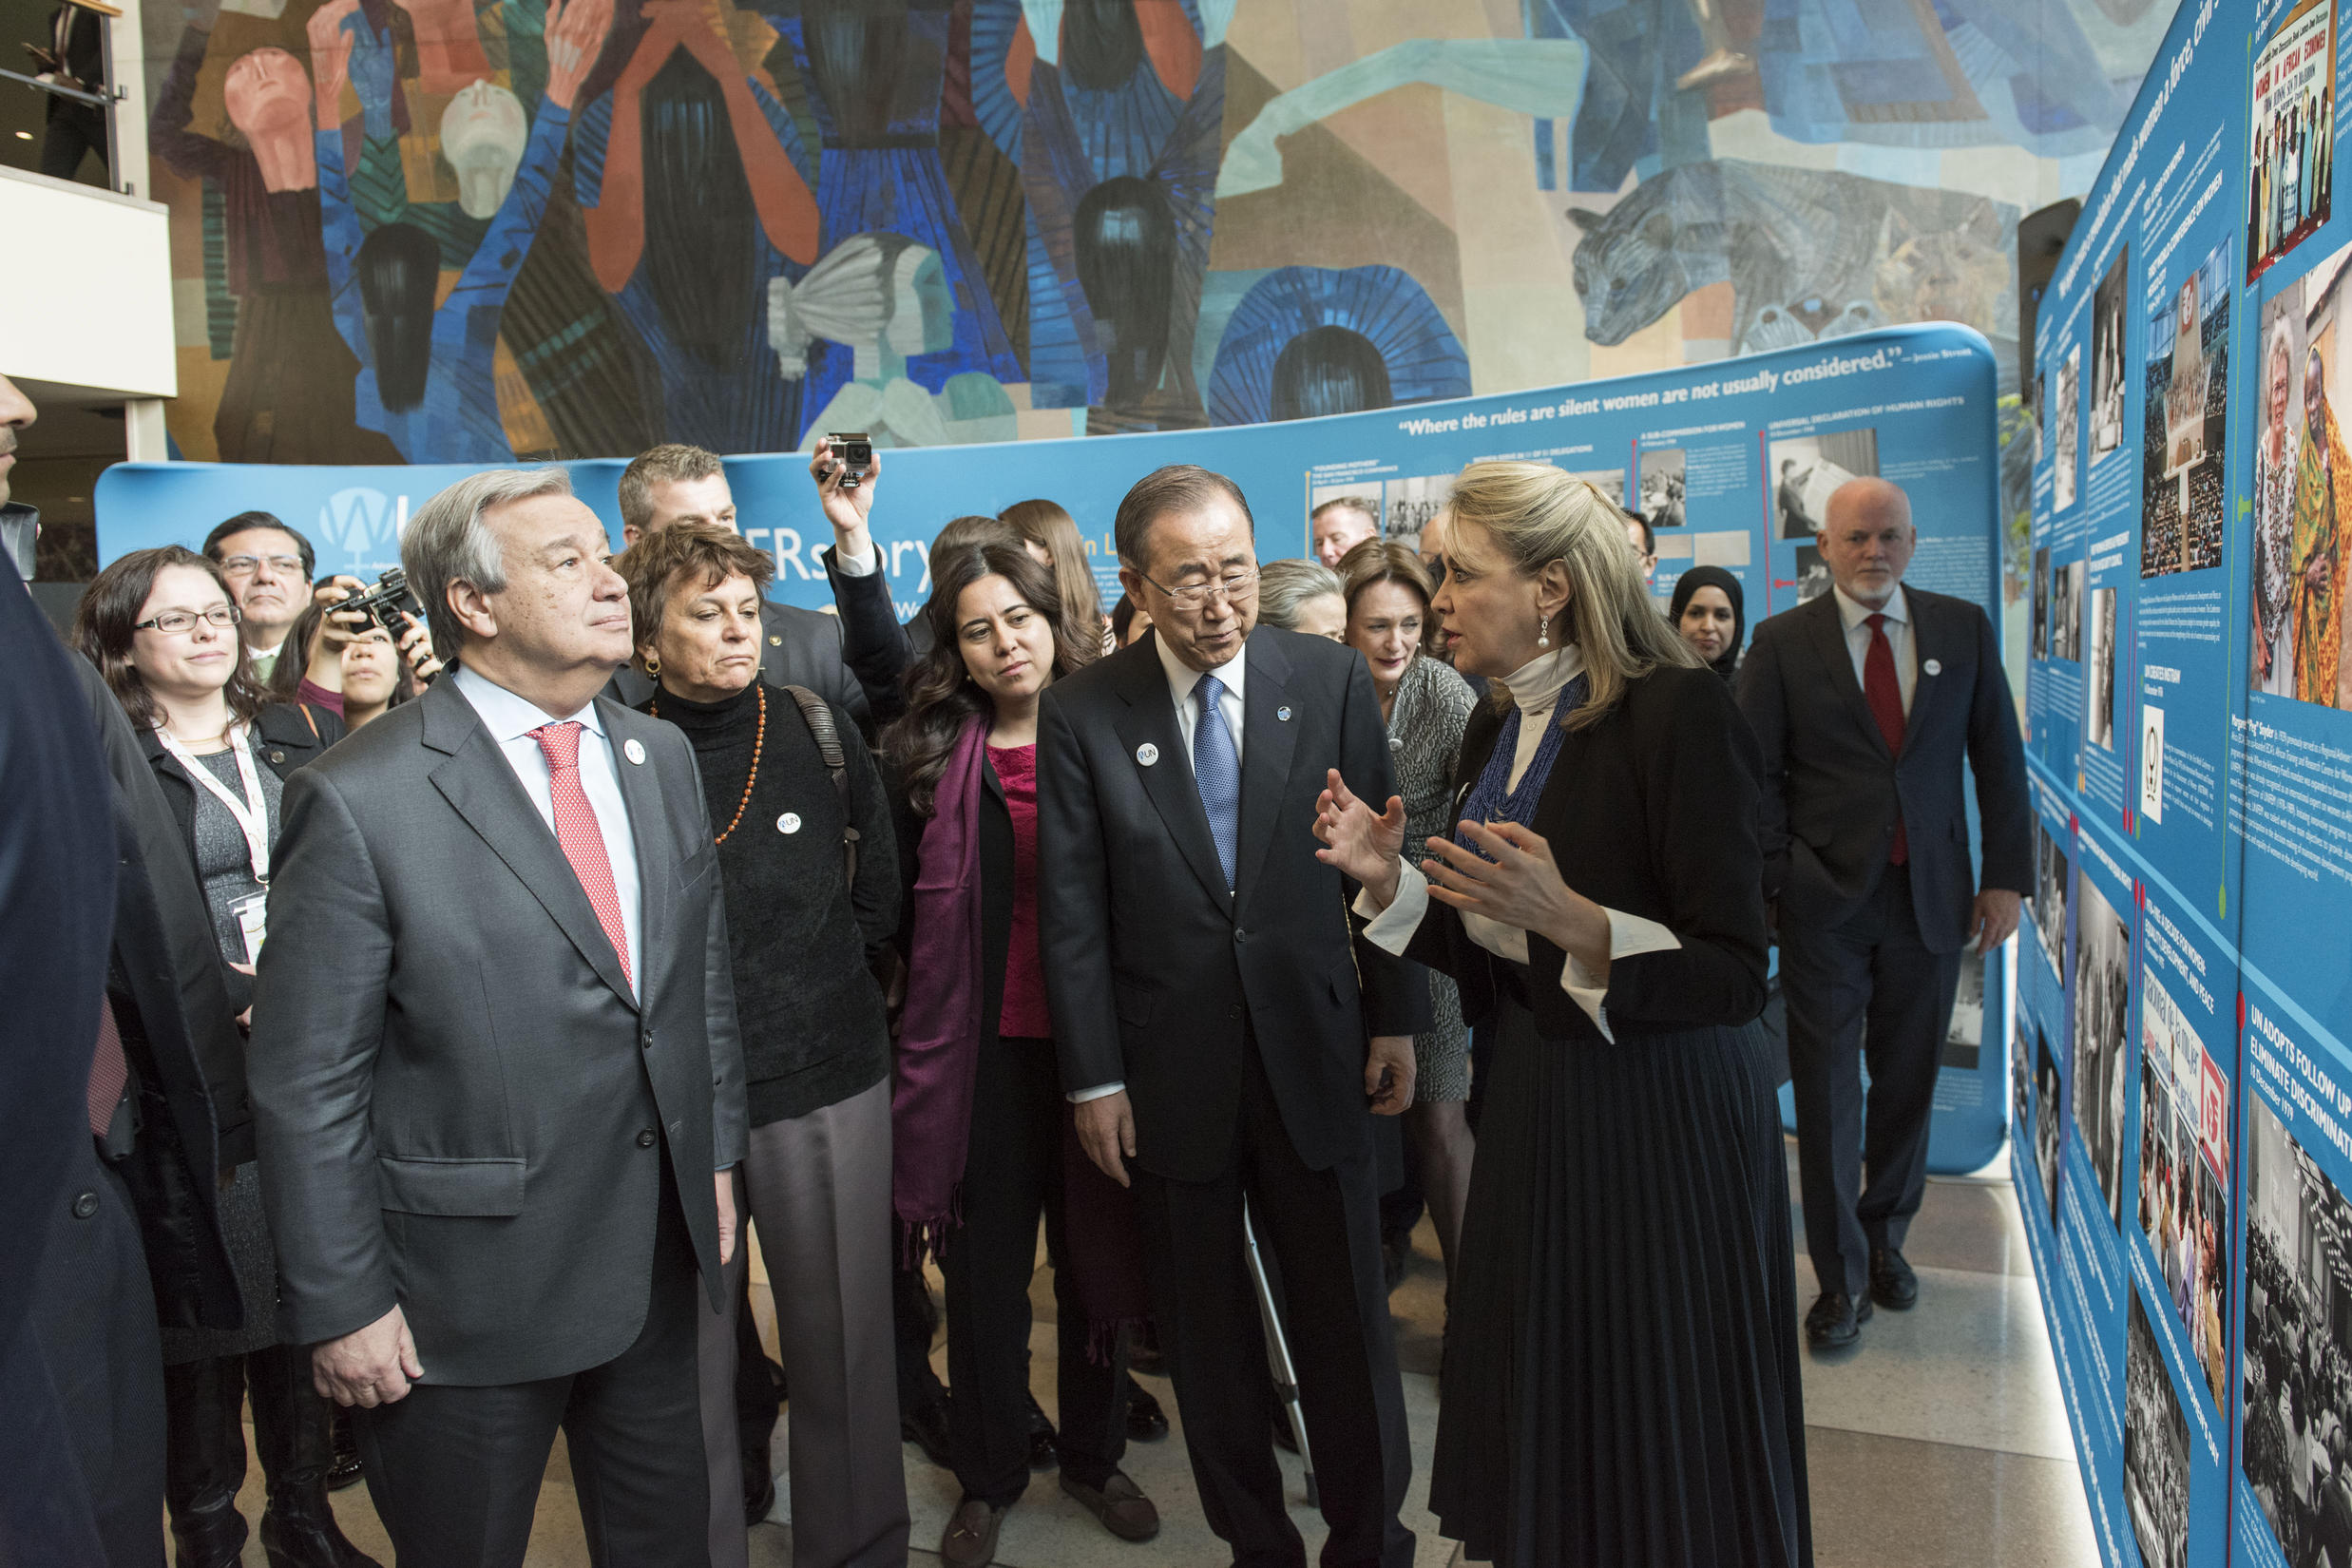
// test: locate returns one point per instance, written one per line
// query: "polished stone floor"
(1941, 1440)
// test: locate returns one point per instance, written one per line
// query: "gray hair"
(1285, 587)
(447, 542)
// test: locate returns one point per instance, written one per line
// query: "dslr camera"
(854, 452)
(385, 603)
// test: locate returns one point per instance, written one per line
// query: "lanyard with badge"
(252, 816)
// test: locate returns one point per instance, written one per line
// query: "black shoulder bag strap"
(819, 718)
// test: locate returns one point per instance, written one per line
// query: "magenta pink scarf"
(939, 1036)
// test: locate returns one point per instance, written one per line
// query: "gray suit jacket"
(1832, 790)
(460, 1106)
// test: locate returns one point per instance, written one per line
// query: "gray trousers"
(820, 1190)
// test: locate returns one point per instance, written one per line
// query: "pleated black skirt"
(1621, 1383)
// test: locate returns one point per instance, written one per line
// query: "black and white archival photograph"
(2066, 611)
(1805, 470)
(2098, 673)
(2047, 1125)
(2066, 443)
(2107, 365)
(1661, 487)
(2051, 868)
(2041, 602)
(2102, 1008)
(2296, 1371)
(2155, 1449)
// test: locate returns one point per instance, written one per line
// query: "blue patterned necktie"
(1216, 768)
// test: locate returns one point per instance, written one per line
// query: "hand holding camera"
(845, 469)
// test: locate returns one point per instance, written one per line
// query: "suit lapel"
(1150, 720)
(479, 786)
(1828, 629)
(656, 852)
(1927, 644)
(1268, 740)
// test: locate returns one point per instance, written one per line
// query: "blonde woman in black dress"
(1621, 1383)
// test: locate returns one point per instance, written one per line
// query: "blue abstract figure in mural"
(695, 186)
(427, 376)
(874, 71)
(1122, 104)
(1312, 340)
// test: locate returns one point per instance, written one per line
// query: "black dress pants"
(1322, 1229)
(454, 1472)
(1012, 1176)
(1868, 989)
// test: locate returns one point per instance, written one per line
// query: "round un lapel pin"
(1146, 754)
(1934, 666)
(634, 750)
(1283, 713)
(788, 823)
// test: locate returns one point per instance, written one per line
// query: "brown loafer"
(969, 1540)
(1120, 1504)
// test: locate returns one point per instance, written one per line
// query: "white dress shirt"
(511, 721)
(1182, 678)
(1534, 687)
(1856, 617)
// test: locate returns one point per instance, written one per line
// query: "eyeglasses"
(1234, 587)
(245, 566)
(172, 622)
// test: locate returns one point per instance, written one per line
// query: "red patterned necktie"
(582, 840)
(109, 1072)
(1885, 693)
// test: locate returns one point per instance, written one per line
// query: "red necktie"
(109, 1073)
(1885, 693)
(582, 840)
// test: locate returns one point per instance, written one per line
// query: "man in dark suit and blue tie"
(496, 1080)
(1222, 1026)
(1866, 701)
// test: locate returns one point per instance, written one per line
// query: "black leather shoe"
(758, 1482)
(1835, 1321)
(927, 1428)
(1893, 1285)
(1146, 1421)
(1044, 1454)
(347, 1468)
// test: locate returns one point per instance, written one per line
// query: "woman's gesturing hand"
(1362, 843)
(1519, 884)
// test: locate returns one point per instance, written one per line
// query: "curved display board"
(1732, 461)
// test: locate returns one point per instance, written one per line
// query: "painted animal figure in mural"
(1808, 252)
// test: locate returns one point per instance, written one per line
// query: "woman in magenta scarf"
(981, 1130)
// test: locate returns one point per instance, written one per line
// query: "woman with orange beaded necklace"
(816, 1043)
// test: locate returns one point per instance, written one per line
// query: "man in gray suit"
(1868, 701)
(495, 1076)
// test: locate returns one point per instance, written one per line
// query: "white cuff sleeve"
(1628, 935)
(858, 566)
(1081, 1096)
(1391, 929)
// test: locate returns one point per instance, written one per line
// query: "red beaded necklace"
(760, 744)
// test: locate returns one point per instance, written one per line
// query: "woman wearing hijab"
(1712, 617)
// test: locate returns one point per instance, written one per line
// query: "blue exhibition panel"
(2183, 1023)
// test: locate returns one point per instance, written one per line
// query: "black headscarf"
(1713, 576)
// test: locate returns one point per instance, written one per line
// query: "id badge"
(252, 917)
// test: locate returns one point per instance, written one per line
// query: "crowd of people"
(619, 910)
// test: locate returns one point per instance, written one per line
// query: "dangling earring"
(1544, 630)
(653, 664)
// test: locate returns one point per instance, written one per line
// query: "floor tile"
(1970, 1364)
(1942, 1439)
(1879, 1500)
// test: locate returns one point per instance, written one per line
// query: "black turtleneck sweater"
(810, 1014)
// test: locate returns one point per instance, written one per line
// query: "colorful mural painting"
(470, 230)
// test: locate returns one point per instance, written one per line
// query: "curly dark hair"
(105, 627)
(940, 696)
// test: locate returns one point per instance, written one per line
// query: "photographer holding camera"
(342, 615)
